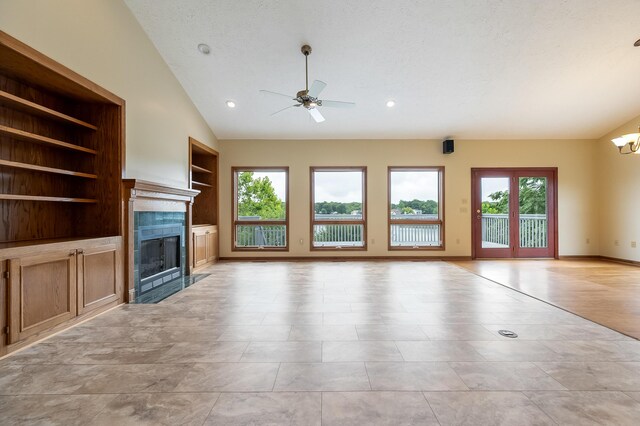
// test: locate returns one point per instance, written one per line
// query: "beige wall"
(574, 159)
(618, 197)
(101, 40)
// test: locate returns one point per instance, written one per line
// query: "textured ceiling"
(462, 68)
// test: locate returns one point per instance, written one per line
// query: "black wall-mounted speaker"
(447, 146)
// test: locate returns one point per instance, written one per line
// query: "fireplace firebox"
(159, 257)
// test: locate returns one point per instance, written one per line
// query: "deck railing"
(347, 235)
(415, 235)
(495, 230)
(533, 229)
(261, 235)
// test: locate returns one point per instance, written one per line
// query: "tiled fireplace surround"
(152, 210)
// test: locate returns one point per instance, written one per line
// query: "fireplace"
(159, 255)
(155, 222)
(159, 261)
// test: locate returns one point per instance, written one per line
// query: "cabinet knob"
(72, 253)
(208, 232)
(81, 251)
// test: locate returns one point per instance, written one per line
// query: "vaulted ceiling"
(463, 68)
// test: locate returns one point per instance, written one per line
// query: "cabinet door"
(99, 276)
(212, 245)
(42, 292)
(199, 249)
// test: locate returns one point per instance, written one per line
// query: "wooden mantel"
(144, 196)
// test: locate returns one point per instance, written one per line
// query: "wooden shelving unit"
(40, 198)
(204, 177)
(61, 150)
(203, 223)
(206, 185)
(199, 169)
(32, 137)
(17, 165)
(12, 101)
(61, 163)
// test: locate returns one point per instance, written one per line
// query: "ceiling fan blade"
(280, 110)
(316, 115)
(269, 92)
(338, 104)
(316, 87)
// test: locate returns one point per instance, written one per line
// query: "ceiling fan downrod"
(306, 51)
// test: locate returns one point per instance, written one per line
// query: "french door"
(514, 212)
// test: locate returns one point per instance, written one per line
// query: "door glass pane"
(495, 212)
(533, 216)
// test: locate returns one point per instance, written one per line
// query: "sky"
(346, 187)
(343, 187)
(491, 185)
(411, 185)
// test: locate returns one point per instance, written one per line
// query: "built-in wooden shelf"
(32, 137)
(50, 160)
(200, 169)
(43, 169)
(201, 184)
(17, 102)
(18, 197)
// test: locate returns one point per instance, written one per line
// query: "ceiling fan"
(308, 98)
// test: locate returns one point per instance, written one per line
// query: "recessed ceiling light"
(231, 104)
(203, 48)
(637, 43)
(391, 104)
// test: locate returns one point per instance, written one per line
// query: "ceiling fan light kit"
(308, 98)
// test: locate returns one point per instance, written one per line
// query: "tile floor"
(335, 343)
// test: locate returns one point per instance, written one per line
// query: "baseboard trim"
(604, 258)
(344, 258)
(408, 259)
(580, 257)
(618, 260)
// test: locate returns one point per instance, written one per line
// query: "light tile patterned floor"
(332, 343)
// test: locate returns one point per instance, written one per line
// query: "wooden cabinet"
(203, 221)
(205, 245)
(42, 292)
(99, 276)
(64, 282)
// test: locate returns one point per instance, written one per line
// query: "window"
(338, 208)
(260, 208)
(416, 208)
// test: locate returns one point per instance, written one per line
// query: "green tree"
(533, 198)
(328, 207)
(499, 203)
(533, 195)
(257, 197)
(427, 207)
